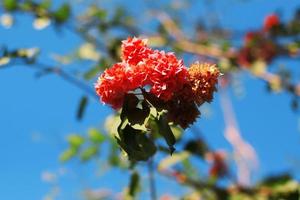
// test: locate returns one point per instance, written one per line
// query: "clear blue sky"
(37, 114)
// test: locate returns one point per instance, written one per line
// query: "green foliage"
(62, 14)
(165, 130)
(134, 110)
(10, 5)
(95, 136)
(88, 153)
(135, 143)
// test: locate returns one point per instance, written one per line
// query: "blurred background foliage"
(170, 25)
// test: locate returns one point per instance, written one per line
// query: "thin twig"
(67, 77)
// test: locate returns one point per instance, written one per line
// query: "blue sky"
(37, 114)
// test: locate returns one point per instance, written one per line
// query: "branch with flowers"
(154, 89)
(155, 96)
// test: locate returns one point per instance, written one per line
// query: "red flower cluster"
(271, 21)
(257, 46)
(171, 86)
(141, 66)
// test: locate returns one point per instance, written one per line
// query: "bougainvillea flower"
(113, 84)
(271, 21)
(162, 75)
(135, 50)
(168, 74)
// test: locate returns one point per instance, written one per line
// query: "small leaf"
(88, 153)
(41, 22)
(165, 131)
(63, 13)
(67, 154)
(82, 106)
(88, 51)
(75, 141)
(134, 184)
(4, 60)
(96, 136)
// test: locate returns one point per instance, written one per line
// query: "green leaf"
(75, 141)
(134, 184)
(67, 154)
(88, 153)
(96, 136)
(10, 5)
(135, 143)
(165, 131)
(131, 111)
(63, 13)
(45, 4)
(82, 106)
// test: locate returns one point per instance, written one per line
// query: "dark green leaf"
(131, 111)
(134, 184)
(135, 143)
(82, 106)
(166, 132)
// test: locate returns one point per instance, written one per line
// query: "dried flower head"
(203, 78)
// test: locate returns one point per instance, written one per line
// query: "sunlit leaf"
(75, 140)
(96, 136)
(88, 51)
(4, 60)
(67, 154)
(88, 153)
(41, 23)
(6, 20)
